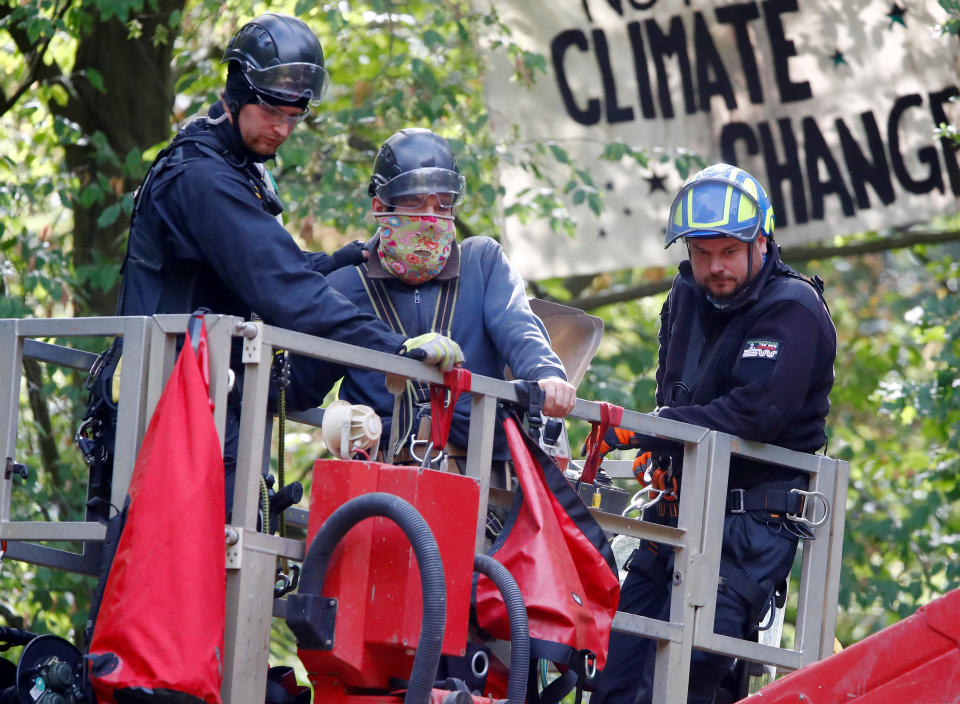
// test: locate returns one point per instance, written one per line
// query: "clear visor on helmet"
(289, 82)
(411, 189)
(714, 208)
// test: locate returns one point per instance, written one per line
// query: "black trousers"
(761, 551)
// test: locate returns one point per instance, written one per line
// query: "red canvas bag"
(158, 635)
(563, 565)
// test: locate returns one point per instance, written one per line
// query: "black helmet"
(416, 161)
(280, 57)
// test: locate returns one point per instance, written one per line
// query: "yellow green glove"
(433, 348)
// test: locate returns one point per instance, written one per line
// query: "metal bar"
(247, 629)
(813, 576)
(67, 531)
(781, 456)
(782, 658)
(647, 627)
(11, 365)
(483, 412)
(639, 529)
(87, 564)
(131, 408)
(220, 329)
(110, 326)
(57, 354)
(704, 580)
(672, 666)
(831, 591)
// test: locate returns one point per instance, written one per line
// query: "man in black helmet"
(204, 231)
(420, 280)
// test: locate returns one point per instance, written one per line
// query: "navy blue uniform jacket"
(201, 237)
(766, 369)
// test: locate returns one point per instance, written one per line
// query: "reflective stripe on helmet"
(720, 201)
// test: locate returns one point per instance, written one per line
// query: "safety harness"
(411, 401)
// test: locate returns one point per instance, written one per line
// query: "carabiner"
(817, 496)
(426, 461)
(637, 503)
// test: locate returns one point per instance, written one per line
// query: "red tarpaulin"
(162, 614)
(916, 660)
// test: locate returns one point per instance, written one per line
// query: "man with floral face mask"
(421, 281)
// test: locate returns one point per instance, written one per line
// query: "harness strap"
(578, 669)
(610, 415)
(417, 393)
(773, 501)
(754, 593)
(442, 405)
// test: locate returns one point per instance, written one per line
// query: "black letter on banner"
(739, 16)
(732, 133)
(709, 61)
(789, 170)
(783, 49)
(949, 151)
(863, 170)
(615, 113)
(927, 155)
(667, 45)
(617, 6)
(817, 151)
(559, 46)
(640, 68)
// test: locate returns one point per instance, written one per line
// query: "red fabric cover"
(914, 660)
(568, 584)
(163, 607)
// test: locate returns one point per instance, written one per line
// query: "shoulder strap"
(415, 393)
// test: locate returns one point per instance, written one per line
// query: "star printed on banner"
(657, 182)
(838, 58)
(896, 15)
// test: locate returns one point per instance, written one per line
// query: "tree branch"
(36, 68)
(794, 255)
(49, 455)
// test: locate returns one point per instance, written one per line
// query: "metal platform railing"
(150, 348)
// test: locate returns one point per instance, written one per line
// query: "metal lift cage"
(149, 354)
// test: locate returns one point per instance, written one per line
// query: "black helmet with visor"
(414, 164)
(281, 58)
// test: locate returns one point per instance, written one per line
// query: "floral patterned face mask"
(414, 248)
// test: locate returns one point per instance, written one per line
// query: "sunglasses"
(276, 116)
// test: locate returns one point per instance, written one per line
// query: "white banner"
(831, 104)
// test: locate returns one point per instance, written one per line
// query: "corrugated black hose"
(432, 584)
(519, 628)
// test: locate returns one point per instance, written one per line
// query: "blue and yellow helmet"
(721, 201)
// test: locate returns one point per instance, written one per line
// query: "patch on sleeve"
(761, 349)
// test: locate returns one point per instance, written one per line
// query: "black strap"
(754, 593)
(572, 663)
(692, 369)
(774, 501)
(416, 393)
